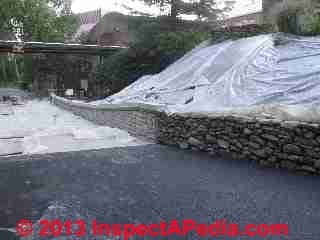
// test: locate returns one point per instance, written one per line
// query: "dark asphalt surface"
(148, 184)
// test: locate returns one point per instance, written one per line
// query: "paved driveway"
(151, 183)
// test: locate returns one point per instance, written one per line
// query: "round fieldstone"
(194, 142)
(247, 131)
(223, 144)
(317, 164)
(184, 145)
(291, 148)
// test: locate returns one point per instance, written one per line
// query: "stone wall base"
(281, 144)
(269, 142)
(139, 123)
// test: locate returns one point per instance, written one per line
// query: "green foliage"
(147, 30)
(31, 20)
(297, 17)
(35, 20)
(27, 72)
(178, 43)
(309, 24)
(147, 56)
(10, 70)
(156, 48)
(16, 71)
(287, 22)
(203, 9)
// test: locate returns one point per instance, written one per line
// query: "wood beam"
(56, 48)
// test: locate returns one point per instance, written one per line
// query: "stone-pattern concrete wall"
(141, 123)
(270, 142)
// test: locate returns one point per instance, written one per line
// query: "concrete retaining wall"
(141, 122)
(269, 142)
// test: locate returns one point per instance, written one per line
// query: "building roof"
(42, 47)
(87, 21)
(109, 23)
(89, 17)
(85, 28)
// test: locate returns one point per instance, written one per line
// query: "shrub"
(310, 24)
(297, 17)
(157, 48)
(178, 43)
(147, 56)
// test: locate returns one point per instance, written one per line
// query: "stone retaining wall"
(269, 142)
(281, 144)
(139, 122)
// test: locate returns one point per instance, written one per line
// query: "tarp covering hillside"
(234, 74)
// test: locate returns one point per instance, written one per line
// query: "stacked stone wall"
(270, 142)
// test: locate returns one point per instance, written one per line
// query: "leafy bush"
(310, 24)
(178, 43)
(147, 56)
(297, 17)
(10, 70)
(156, 48)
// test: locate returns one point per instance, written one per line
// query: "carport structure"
(17, 47)
(62, 66)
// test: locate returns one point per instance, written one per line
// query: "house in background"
(87, 21)
(117, 29)
(96, 27)
(255, 18)
(112, 30)
(253, 12)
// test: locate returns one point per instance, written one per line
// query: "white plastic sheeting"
(232, 75)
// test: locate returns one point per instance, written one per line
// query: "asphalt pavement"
(149, 184)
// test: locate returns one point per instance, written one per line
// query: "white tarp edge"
(249, 73)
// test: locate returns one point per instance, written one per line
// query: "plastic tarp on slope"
(234, 75)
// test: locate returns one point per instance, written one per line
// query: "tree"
(295, 16)
(35, 20)
(203, 9)
(31, 20)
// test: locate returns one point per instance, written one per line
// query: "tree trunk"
(174, 13)
(4, 70)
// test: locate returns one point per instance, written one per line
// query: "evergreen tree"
(203, 9)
